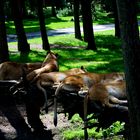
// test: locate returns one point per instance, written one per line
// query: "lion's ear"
(83, 68)
(56, 54)
(48, 52)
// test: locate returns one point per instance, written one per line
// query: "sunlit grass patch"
(75, 132)
(72, 52)
(32, 25)
(33, 56)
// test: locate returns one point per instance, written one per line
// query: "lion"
(53, 79)
(49, 64)
(14, 71)
(86, 82)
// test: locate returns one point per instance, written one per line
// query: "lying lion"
(53, 79)
(108, 93)
(87, 82)
(14, 71)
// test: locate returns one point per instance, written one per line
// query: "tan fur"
(102, 92)
(87, 81)
(50, 64)
(56, 77)
(33, 66)
(106, 92)
(14, 71)
(112, 77)
(51, 78)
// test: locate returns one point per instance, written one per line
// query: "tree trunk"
(45, 41)
(23, 45)
(53, 9)
(76, 20)
(4, 55)
(131, 50)
(23, 8)
(32, 5)
(117, 27)
(87, 24)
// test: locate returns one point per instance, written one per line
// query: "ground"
(53, 132)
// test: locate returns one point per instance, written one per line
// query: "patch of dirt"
(7, 132)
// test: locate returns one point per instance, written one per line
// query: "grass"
(76, 132)
(32, 25)
(108, 58)
(52, 23)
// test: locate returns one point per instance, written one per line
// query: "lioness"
(14, 71)
(54, 79)
(50, 64)
(87, 79)
(108, 93)
(84, 81)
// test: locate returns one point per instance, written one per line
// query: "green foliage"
(65, 12)
(75, 131)
(47, 12)
(100, 15)
(77, 119)
(113, 129)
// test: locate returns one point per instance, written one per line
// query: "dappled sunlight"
(32, 25)
(33, 56)
(72, 52)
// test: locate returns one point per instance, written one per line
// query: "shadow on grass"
(112, 66)
(32, 25)
(108, 57)
(33, 56)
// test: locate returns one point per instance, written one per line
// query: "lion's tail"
(45, 106)
(55, 102)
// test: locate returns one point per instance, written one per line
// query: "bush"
(65, 12)
(47, 12)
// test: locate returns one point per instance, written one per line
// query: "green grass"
(32, 25)
(107, 58)
(52, 23)
(75, 132)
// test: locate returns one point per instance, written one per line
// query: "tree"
(23, 8)
(131, 50)
(32, 5)
(45, 41)
(23, 45)
(76, 20)
(4, 55)
(110, 7)
(53, 9)
(115, 13)
(87, 24)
